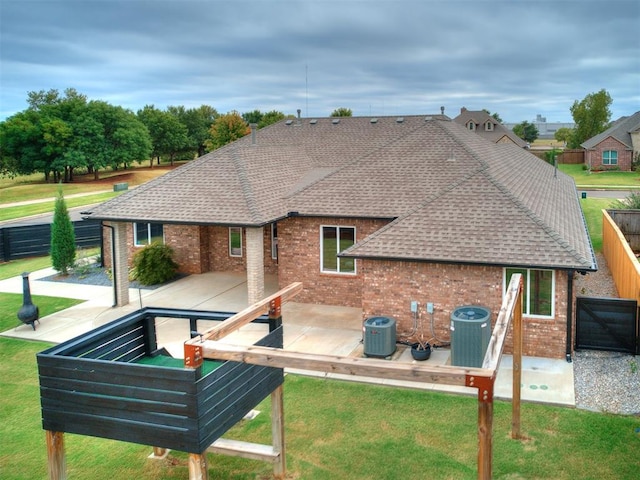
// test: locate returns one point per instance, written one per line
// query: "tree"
(342, 112)
(252, 117)
(63, 239)
(227, 128)
(270, 118)
(564, 135)
(168, 134)
(526, 131)
(494, 115)
(198, 122)
(591, 116)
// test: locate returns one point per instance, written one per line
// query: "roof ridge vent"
(400, 120)
(335, 121)
(288, 122)
(313, 121)
(428, 118)
(374, 120)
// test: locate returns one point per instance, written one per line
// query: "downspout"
(570, 274)
(113, 265)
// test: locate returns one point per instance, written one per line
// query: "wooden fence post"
(277, 433)
(198, 468)
(517, 366)
(56, 456)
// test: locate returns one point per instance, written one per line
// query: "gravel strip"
(605, 381)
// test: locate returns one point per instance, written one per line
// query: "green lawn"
(612, 179)
(338, 430)
(592, 208)
(11, 213)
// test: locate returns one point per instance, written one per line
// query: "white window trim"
(489, 126)
(231, 254)
(525, 308)
(337, 227)
(135, 234)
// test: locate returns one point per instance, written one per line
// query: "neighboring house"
(372, 213)
(616, 147)
(487, 127)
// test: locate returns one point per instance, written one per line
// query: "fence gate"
(607, 324)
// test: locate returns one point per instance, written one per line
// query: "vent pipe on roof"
(442, 110)
(254, 128)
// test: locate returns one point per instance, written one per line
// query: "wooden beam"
(368, 367)
(236, 448)
(517, 368)
(485, 438)
(277, 433)
(198, 468)
(247, 315)
(56, 456)
(496, 344)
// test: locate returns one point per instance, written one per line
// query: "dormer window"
(488, 126)
(471, 126)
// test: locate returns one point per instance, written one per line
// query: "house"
(616, 147)
(372, 213)
(488, 127)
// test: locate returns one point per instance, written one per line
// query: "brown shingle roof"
(455, 196)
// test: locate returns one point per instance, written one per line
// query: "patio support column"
(120, 263)
(255, 264)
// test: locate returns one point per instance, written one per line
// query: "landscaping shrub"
(632, 202)
(63, 239)
(154, 264)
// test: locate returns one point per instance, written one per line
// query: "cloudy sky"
(518, 58)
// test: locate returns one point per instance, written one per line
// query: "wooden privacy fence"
(623, 264)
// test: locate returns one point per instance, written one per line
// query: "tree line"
(62, 134)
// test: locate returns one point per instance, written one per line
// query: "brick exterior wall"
(299, 261)
(199, 249)
(380, 288)
(593, 157)
(389, 287)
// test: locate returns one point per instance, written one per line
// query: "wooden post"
(198, 468)
(485, 422)
(517, 366)
(55, 454)
(277, 433)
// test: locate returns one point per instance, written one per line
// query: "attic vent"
(374, 120)
(288, 122)
(399, 119)
(335, 121)
(428, 119)
(313, 121)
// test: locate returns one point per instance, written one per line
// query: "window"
(274, 241)
(147, 233)
(610, 157)
(488, 127)
(235, 241)
(333, 241)
(471, 126)
(538, 290)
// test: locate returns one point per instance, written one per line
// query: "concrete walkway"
(308, 328)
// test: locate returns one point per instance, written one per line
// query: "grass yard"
(333, 430)
(592, 208)
(612, 179)
(338, 430)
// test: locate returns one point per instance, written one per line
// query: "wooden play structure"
(109, 383)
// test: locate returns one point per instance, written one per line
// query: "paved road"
(619, 194)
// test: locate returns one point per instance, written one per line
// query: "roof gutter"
(568, 349)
